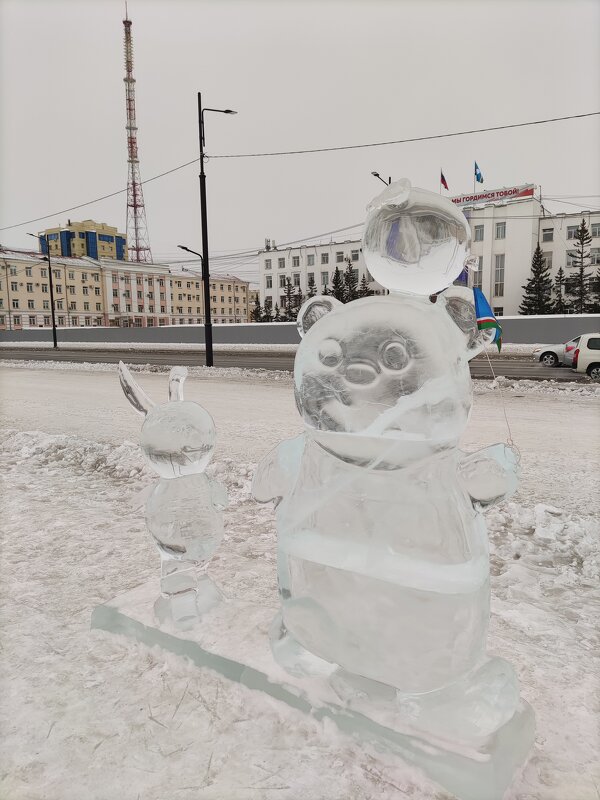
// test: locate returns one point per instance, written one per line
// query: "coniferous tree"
(257, 313)
(326, 291)
(277, 315)
(560, 305)
(595, 292)
(363, 289)
(350, 282)
(338, 289)
(312, 288)
(289, 315)
(298, 299)
(267, 314)
(579, 287)
(538, 289)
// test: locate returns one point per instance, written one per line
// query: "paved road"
(509, 367)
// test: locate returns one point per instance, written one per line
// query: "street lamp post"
(47, 258)
(377, 175)
(205, 261)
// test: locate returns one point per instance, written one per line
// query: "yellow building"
(109, 292)
(79, 294)
(87, 238)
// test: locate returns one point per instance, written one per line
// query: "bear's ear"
(460, 305)
(313, 310)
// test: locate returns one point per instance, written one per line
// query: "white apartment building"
(504, 237)
(504, 234)
(301, 263)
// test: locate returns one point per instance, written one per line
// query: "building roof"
(35, 256)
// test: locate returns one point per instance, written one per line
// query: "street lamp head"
(229, 111)
(376, 174)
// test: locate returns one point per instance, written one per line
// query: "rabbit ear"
(133, 392)
(177, 377)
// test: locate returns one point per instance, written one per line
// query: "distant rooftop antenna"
(137, 229)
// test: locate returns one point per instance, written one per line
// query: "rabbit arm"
(133, 391)
(491, 475)
(177, 378)
(276, 473)
(219, 495)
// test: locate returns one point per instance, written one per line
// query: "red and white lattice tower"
(138, 242)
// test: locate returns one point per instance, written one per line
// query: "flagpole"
(441, 179)
(474, 179)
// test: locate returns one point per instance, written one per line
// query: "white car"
(587, 355)
(551, 355)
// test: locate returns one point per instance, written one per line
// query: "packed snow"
(87, 715)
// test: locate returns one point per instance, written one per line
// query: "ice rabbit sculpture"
(184, 509)
(383, 565)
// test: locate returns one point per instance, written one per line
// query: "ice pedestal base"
(232, 639)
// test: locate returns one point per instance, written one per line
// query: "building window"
(30, 304)
(30, 287)
(295, 261)
(282, 281)
(86, 306)
(280, 264)
(71, 289)
(339, 257)
(32, 321)
(296, 279)
(324, 278)
(595, 229)
(45, 304)
(324, 258)
(61, 320)
(499, 276)
(115, 292)
(14, 286)
(74, 321)
(478, 229)
(71, 276)
(501, 230)
(84, 276)
(310, 260)
(570, 259)
(269, 282)
(45, 288)
(88, 321)
(98, 306)
(477, 276)
(28, 272)
(572, 231)
(547, 259)
(97, 291)
(85, 290)
(595, 256)
(73, 306)
(44, 273)
(17, 320)
(498, 311)
(547, 234)
(59, 305)
(46, 320)
(354, 255)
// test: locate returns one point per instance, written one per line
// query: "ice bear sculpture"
(184, 510)
(383, 563)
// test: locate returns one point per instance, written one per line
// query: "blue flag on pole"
(485, 317)
(478, 175)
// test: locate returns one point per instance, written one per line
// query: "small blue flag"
(478, 175)
(485, 317)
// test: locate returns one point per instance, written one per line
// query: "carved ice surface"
(184, 510)
(414, 241)
(383, 562)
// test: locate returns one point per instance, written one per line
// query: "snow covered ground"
(508, 349)
(84, 715)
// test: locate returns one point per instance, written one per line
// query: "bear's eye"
(330, 353)
(394, 356)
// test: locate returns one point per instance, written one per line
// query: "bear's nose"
(361, 374)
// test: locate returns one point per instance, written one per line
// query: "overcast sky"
(300, 75)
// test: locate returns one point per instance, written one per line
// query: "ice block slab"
(232, 639)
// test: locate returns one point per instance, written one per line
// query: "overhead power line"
(307, 151)
(407, 141)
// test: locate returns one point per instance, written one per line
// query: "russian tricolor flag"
(443, 181)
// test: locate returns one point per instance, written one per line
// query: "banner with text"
(494, 195)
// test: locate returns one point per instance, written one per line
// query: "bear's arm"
(276, 473)
(491, 475)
